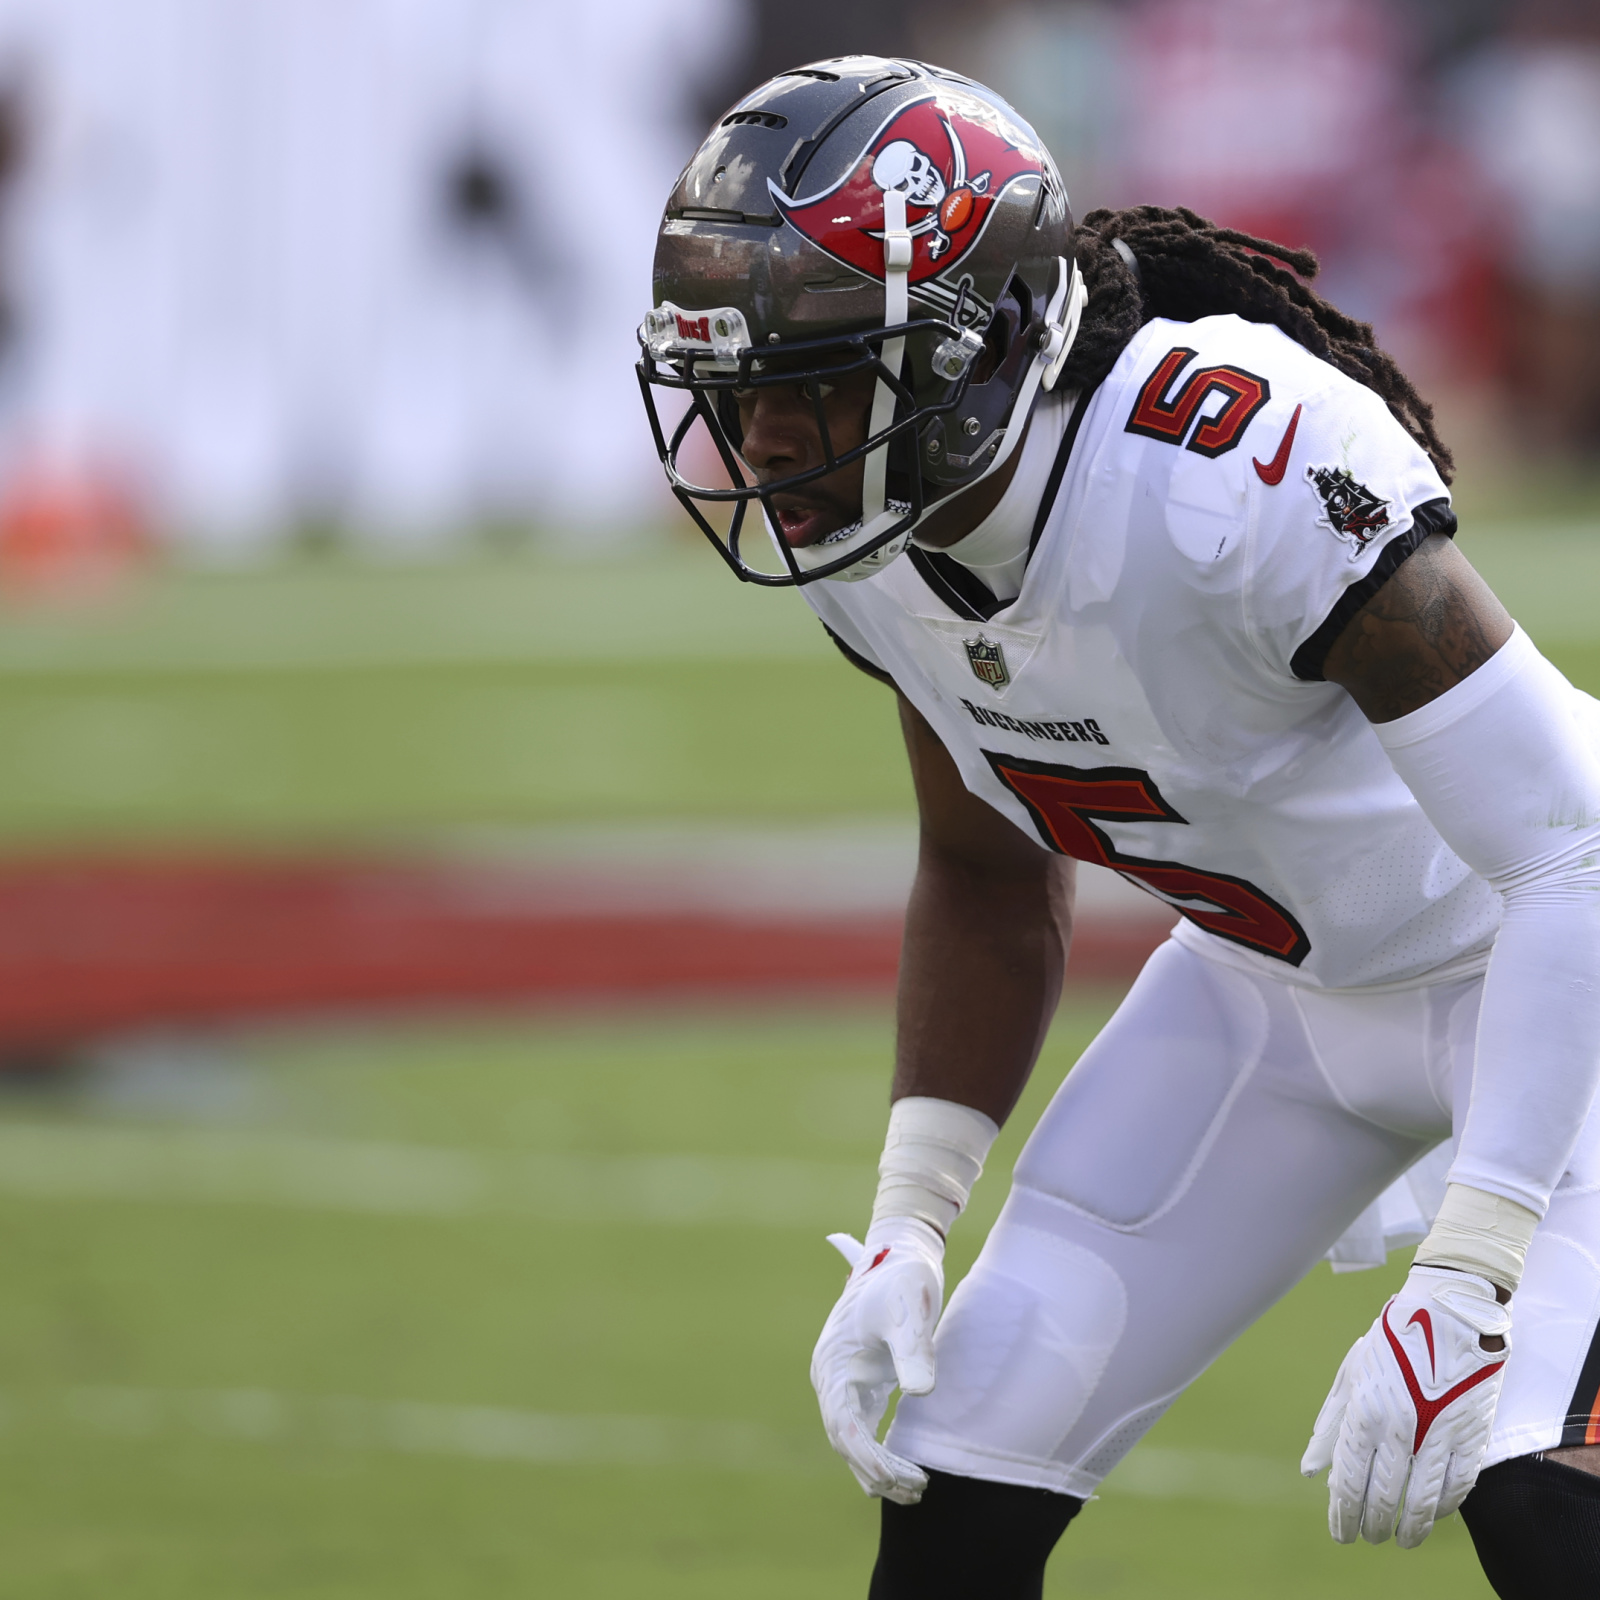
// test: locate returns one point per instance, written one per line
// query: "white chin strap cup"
(1063, 333)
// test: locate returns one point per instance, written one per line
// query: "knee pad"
(968, 1538)
(1022, 1348)
(1536, 1527)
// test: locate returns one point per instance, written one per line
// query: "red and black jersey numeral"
(1169, 420)
(1065, 802)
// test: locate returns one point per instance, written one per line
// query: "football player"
(1155, 547)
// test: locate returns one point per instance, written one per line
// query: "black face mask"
(811, 366)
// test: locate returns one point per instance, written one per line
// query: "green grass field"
(326, 701)
(225, 1374)
(520, 1307)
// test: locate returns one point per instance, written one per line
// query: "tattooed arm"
(1432, 624)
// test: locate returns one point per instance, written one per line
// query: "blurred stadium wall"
(374, 262)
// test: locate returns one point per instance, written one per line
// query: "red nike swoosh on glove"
(1427, 1333)
(1428, 1410)
(1273, 470)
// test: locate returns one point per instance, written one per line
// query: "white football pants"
(1214, 1140)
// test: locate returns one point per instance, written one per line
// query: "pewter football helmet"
(855, 215)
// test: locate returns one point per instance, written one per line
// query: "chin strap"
(896, 310)
(878, 512)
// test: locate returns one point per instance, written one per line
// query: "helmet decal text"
(950, 159)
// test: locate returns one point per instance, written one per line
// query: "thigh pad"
(1128, 1130)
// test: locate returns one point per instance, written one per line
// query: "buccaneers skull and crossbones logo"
(946, 154)
(901, 165)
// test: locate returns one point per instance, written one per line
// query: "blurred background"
(446, 923)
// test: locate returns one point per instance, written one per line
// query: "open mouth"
(803, 525)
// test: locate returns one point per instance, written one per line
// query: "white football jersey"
(1152, 700)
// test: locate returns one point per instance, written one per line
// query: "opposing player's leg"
(1535, 1513)
(1212, 1143)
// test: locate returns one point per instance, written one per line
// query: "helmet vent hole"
(754, 119)
(811, 72)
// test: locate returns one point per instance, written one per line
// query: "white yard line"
(63, 1162)
(545, 1439)
(416, 1427)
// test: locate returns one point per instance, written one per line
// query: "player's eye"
(801, 391)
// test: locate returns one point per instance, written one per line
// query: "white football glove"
(878, 1335)
(1410, 1411)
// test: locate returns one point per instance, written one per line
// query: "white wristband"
(931, 1159)
(1479, 1232)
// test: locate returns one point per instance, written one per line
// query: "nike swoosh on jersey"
(1272, 471)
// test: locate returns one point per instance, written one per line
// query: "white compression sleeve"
(931, 1159)
(1505, 766)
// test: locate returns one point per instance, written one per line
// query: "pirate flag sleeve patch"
(1350, 510)
(1357, 497)
(1436, 516)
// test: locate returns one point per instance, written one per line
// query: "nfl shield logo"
(988, 661)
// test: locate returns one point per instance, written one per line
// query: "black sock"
(968, 1539)
(1536, 1526)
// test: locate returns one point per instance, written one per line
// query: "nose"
(780, 432)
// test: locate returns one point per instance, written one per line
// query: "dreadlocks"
(1189, 268)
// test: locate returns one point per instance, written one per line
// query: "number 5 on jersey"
(1065, 802)
(1169, 419)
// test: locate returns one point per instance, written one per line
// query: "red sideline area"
(92, 947)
